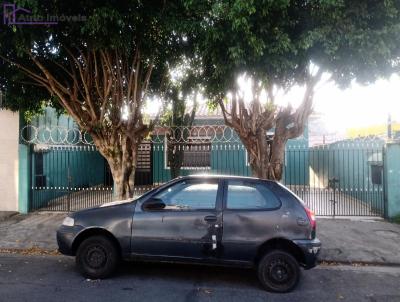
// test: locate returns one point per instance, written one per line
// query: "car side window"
(248, 195)
(189, 196)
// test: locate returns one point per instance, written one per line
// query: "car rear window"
(291, 193)
(248, 195)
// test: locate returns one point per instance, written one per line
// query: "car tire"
(97, 257)
(278, 271)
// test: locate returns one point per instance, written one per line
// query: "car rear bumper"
(311, 249)
(65, 238)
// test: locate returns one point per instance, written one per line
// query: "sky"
(359, 106)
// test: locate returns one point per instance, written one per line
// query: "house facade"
(49, 164)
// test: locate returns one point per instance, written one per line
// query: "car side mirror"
(154, 204)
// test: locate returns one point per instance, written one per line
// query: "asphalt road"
(54, 278)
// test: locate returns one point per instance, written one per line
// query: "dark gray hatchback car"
(217, 220)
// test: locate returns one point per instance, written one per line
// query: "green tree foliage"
(124, 50)
(277, 44)
(95, 69)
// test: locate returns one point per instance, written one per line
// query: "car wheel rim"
(279, 272)
(96, 257)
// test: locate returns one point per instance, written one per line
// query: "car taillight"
(311, 217)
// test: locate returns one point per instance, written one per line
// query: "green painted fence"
(351, 168)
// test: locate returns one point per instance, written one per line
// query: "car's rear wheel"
(97, 257)
(278, 271)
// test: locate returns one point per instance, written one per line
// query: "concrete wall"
(9, 130)
(392, 179)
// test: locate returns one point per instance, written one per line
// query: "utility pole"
(389, 126)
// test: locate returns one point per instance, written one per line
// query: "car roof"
(222, 176)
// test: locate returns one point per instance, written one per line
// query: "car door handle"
(210, 218)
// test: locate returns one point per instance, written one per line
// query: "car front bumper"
(311, 249)
(65, 238)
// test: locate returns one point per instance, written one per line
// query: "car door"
(249, 216)
(187, 227)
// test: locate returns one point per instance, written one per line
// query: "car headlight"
(68, 221)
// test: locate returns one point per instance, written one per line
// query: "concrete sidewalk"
(343, 240)
(32, 230)
(5, 215)
(368, 241)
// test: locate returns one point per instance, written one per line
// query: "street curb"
(322, 262)
(35, 251)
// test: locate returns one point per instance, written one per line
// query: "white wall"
(9, 131)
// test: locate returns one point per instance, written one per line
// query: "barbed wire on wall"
(200, 134)
(59, 135)
(64, 136)
(56, 135)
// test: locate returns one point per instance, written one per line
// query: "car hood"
(108, 207)
(115, 203)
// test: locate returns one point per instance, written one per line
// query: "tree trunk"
(122, 160)
(175, 159)
(119, 184)
(266, 157)
(277, 159)
(177, 138)
(131, 180)
(123, 184)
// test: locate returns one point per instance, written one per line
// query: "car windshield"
(152, 190)
(144, 194)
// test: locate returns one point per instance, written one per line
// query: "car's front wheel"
(97, 257)
(278, 271)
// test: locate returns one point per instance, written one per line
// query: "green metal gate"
(67, 178)
(70, 178)
(344, 179)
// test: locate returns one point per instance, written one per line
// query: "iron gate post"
(384, 181)
(332, 184)
(392, 179)
(69, 183)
